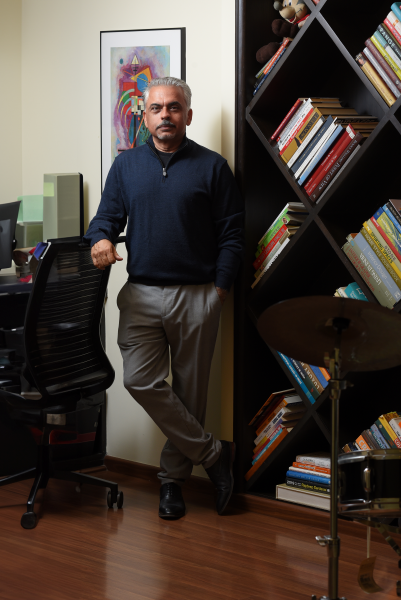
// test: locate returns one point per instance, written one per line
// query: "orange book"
(309, 467)
(266, 454)
(361, 443)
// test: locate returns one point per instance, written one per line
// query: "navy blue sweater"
(184, 227)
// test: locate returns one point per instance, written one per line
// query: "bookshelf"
(319, 62)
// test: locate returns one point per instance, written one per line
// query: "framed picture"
(128, 61)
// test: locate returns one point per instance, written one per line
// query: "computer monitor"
(8, 221)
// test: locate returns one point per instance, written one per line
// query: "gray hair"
(168, 81)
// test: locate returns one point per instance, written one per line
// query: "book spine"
(397, 226)
(297, 377)
(319, 375)
(283, 135)
(267, 68)
(394, 212)
(271, 419)
(390, 417)
(379, 438)
(396, 10)
(273, 437)
(362, 443)
(372, 441)
(395, 439)
(266, 454)
(378, 266)
(387, 48)
(393, 31)
(271, 232)
(269, 247)
(274, 251)
(315, 381)
(268, 265)
(375, 64)
(296, 129)
(395, 426)
(365, 270)
(298, 483)
(384, 433)
(266, 438)
(376, 80)
(386, 228)
(322, 152)
(324, 182)
(308, 477)
(336, 176)
(342, 143)
(394, 22)
(307, 126)
(284, 141)
(313, 460)
(308, 160)
(286, 119)
(382, 240)
(390, 41)
(307, 141)
(308, 383)
(383, 253)
(385, 52)
(306, 151)
(310, 467)
(383, 63)
(310, 472)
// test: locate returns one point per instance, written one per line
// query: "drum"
(370, 483)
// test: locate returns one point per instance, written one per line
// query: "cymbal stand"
(336, 385)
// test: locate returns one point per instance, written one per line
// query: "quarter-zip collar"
(151, 144)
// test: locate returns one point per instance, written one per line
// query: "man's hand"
(104, 254)
(222, 294)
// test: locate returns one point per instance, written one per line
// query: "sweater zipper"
(160, 160)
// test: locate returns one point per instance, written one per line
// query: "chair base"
(45, 471)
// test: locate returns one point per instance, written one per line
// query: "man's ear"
(189, 117)
(144, 118)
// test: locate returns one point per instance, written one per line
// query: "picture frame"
(128, 60)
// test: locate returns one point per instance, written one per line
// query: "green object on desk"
(31, 209)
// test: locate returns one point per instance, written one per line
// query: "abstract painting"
(129, 60)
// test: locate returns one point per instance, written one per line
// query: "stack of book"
(265, 71)
(308, 481)
(381, 58)
(375, 252)
(351, 291)
(272, 423)
(277, 237)
(312, 380)
(317, 138)
(383, 434)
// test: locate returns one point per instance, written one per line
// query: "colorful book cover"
(297, 377)
(325, 148)
(308, 477)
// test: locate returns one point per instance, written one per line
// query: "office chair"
(67, 365)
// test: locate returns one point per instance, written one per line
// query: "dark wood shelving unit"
(319, 62)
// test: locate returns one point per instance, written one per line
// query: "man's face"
(166, 114)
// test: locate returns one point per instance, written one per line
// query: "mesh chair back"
(63, 350)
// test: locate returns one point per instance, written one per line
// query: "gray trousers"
(184, 319)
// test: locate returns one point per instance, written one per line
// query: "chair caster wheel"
(120, 499)
(28, 520)
(109, 502)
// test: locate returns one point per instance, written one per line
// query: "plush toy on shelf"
(295, 14)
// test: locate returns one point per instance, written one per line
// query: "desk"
(14, 296)
(11, 284)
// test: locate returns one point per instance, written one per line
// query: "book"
(310, 472)
(305, 127)
(387, 222)
(384, 244)
(298, 495)
(379, 437)
(305, 378)
(286, 216)
(377, 66)
(387, 48)
(354, 291)
(268, 444)
(283, 49)
(312, 155)
(308, 477)
(297, 377)
(319, 375)
(282, 405)
(265, 455)
(362, 443)
(371, 439)
(266, 68)
(324, 105)
(367, 273)
(385, 51)
(383, 30)
(386, 425)
(384, 433)
(394, 206)
(333, 175)
(310, 147)
(383, 63)
(381, 256)
(395, 424)
(282, 246)
(289, 394)
(310, 467)
(339, 129)
(319, 459)
(375, 79)
(273, 417)
(394, 25)
(270, 246)
(315, 380)
(272, 253)
(306, 141)
(286, 119)
(308, 485)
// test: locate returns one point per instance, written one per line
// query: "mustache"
(165, 122)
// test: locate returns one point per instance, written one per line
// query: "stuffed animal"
(295, 13)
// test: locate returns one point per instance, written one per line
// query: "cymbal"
(302, 328)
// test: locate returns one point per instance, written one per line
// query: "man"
(185, 244)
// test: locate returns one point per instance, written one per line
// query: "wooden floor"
(81, 550)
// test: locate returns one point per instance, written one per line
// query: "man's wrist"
(222, 294)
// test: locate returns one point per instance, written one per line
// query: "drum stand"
(336, 385)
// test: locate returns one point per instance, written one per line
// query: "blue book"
(308, 477)
(354, 291)
(297, 377)
(325, 148)
(392, 217)
(269, 71)
(379, 437)
(380, 39)
(380, 268)
(396, 10)
(266, 447)
(312, 144)
(319, 376)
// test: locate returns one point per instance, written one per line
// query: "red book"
(297, 130)
(393, 31)
(386, 238)
(273, 59)
(330, 159)
(271, 435)
(265, 253)
(308, 467)
(286, 119)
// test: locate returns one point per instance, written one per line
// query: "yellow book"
(390, 431)
(381, 87)
(384, 247)
(386, 57)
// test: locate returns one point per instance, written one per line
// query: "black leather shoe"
(221, 474)
(172, 505)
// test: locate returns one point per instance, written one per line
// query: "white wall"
(61, 133)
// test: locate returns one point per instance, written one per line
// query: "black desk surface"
(10, 284)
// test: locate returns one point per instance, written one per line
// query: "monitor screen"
(8, 221)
